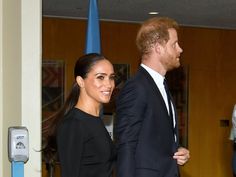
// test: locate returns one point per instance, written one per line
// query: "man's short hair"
(152, 31)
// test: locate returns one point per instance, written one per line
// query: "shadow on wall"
(225, 163)
(183, 173)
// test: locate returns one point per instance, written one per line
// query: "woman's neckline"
(90, 115)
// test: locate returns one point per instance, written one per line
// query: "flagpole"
(93, 29)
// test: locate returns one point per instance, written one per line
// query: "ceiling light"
(153, 13)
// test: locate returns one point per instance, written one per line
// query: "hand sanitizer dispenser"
(18, 144)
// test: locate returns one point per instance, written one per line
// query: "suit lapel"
(153, 85)
(157, 92)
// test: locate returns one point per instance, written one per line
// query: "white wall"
(20, 78)
(31, 81)
(10, 75)
(1, 99)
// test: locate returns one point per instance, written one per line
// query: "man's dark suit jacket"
(144, 130)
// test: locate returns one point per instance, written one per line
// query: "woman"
(84, 146)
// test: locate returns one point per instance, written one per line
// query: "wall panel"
(210, 55)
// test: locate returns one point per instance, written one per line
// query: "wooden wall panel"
(211, 57)
(209, 54)
(118, 40)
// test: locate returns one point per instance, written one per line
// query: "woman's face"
(100, 82)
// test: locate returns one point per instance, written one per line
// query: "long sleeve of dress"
(70, 147)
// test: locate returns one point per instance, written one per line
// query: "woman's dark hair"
(82, 67)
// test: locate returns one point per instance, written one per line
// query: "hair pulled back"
(82, 67)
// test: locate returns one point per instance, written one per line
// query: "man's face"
(171, 51)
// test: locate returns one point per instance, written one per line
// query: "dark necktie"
(169, 101)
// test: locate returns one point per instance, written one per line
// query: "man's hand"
(182, 156)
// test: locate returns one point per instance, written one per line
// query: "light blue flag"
(93, 29)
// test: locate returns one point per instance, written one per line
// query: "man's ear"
(158, 48)
(80, 81)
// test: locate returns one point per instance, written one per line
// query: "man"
(233, 138)
(146, 117)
